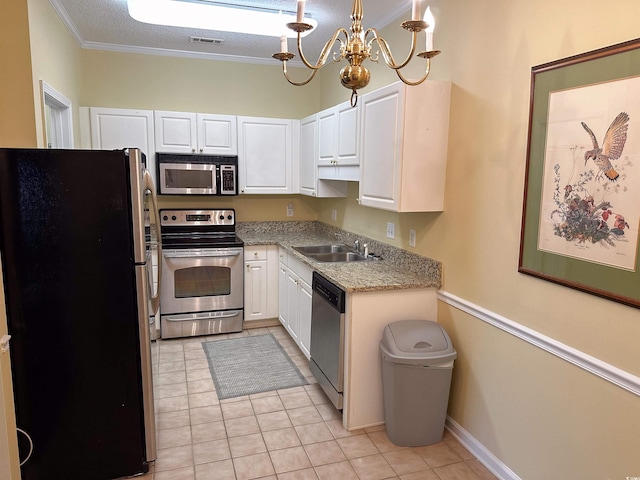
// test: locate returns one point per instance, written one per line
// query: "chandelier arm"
(413, 83)
(322, 59)
(386, 51)
(297, 84)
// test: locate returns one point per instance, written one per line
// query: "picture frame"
(581, 206)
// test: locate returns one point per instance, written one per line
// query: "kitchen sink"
(331, 253)
(313, 249)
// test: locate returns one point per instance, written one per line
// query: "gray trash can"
(417, 363)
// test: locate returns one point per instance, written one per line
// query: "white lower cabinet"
(260, 282)
(295, 299)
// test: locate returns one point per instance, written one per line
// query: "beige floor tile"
(306, 474)
(171, 390)
(334, 471)
(372, 467)
(324, 453)
(423, 475)
(456, 471)
(194, 354)
(170, 378)
(267, 404)
(168, 357)
(185, 473)
(241, 426)
(196, 364)
(212, 413)
(279, 439)
(273, 393)
(405, 461)
(172, 458)
(203, 399)
(200, 374)
(238, 409)
(437, 455)
(247, 445)
(205, 432)
(454, 445)
(213, 451)
(313, 433)
(480, 470)
(273, 421)
(296, 400)
(357, 446)
(174, 437)
(304, 415)
(170, 346)
(289, 459)
(222, 470)
(328, 412)
(171, 367)
(253, 466)
(179, 418)
(199, 386)
(380, 439)
(171, 404)
(339, 431)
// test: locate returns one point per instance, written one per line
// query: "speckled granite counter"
(398, 268)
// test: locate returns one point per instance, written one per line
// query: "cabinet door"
(327, 125)
(283, 302)
(292, 305)
(381, 147)
(304, 318)
(217, 134)
(115, 128)
(308, 153)
(348, 134)
(265, 154)
(255, 290)
(175, 132)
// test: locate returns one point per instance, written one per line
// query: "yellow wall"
(540, 415)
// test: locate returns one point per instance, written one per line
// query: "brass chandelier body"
(356, 47)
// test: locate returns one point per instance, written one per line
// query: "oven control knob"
(174, 218)
(221, 217)
(229, 217)
(165, 218)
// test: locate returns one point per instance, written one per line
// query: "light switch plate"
(290, 210)
(391, 230)
(334, 214)
(412, 238)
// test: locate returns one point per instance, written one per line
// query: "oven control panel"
(184, 218)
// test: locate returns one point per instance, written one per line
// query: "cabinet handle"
(201, 150)
(193, 150)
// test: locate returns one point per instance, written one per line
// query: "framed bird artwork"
(581, 208)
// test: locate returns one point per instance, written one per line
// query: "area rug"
(246, 365)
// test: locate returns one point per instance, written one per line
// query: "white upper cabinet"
(404, 147)
(265, 155)
(185, 132)
(115, 128)
(339, 143)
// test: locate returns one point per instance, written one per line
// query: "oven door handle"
(191, 318)
(200, 255)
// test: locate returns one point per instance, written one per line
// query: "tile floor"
(292, 434)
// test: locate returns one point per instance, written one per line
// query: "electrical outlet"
(290, 210)
(391, 230)
(334, 214)
(412, 237)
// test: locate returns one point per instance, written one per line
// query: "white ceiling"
(106, 25)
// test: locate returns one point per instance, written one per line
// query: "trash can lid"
(417, 341)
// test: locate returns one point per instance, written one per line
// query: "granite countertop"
(398, 269)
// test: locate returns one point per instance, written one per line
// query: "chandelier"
(356, 47)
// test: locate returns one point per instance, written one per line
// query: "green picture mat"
(612, 63)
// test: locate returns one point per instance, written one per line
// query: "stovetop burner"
(187, 228)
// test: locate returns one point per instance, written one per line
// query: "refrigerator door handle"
(154, 300)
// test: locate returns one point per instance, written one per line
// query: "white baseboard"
(484, 456)
(606, 371)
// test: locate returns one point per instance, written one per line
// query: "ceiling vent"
(213, 41)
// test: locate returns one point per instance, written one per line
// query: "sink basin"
(338, 257)
(313, 249)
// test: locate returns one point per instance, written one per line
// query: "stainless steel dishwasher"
(327, 337)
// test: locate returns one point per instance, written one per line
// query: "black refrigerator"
(76, 269)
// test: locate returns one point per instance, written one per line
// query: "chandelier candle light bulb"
(300, 11)
(431, 21)
(415, 10)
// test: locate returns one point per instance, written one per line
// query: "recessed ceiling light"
(214, 16)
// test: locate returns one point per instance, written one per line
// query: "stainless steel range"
(202, 259)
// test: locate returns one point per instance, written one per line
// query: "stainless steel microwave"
(183, 174)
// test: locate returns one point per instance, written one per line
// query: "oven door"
(201, 280)
(187, 179)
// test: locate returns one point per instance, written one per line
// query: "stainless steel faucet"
(356, 245)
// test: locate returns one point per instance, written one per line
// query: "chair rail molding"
(606, 371)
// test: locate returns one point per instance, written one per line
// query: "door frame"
(58, 121)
